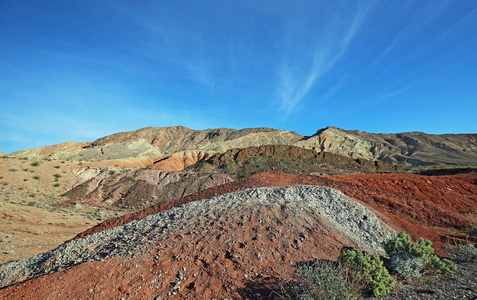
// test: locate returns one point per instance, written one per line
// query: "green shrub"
(443, 266)
(371, 269)
(401, 246)
(35, 164)
(402, 243)
(406, 265)
(112, 172)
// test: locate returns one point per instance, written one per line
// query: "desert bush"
(441, 265)
(12, 170)
(112, 172)
(402, 243)
(405, 255)
(406, 265)
(323, 280)
(36, 177)
(371, 269)
(35, 164)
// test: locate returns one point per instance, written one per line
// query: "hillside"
(183, 146)
(185, 249)
(244, 162)
(241, 239)
(411, 148)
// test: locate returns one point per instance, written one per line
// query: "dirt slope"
(139, 188)
(210, 248)
(418, 216)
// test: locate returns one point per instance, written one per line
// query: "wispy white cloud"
(386, 94)
(329, 49)
(173, 44)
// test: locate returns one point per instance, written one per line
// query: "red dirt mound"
(455, 192)
(219, 251)
(438, 205)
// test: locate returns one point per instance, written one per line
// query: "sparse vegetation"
(375, 276)
(57, 184)
(36, 177)
(57, 167)
(35, 164)
(323, 280)
(12, 170)
(408, 258)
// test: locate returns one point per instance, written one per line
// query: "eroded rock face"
(135, 188)
(287, 152)
(413, 148)
(181, 160)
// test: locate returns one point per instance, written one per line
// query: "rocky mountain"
(410, 148)
(183, 146)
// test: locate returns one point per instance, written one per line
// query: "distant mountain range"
(178, 147)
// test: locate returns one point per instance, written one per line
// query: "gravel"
(347, 216)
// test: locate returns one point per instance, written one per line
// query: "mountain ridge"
(408, 148)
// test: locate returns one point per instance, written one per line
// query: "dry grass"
(322, 280)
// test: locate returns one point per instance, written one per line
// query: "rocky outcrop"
(180, 160)
(286, 152)
(134, 188)
(170, 140)
(410, 148)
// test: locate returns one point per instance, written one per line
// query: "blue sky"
(80, 70)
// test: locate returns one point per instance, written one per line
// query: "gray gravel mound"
(135, 238)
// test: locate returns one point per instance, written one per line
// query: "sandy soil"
(30, 221)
